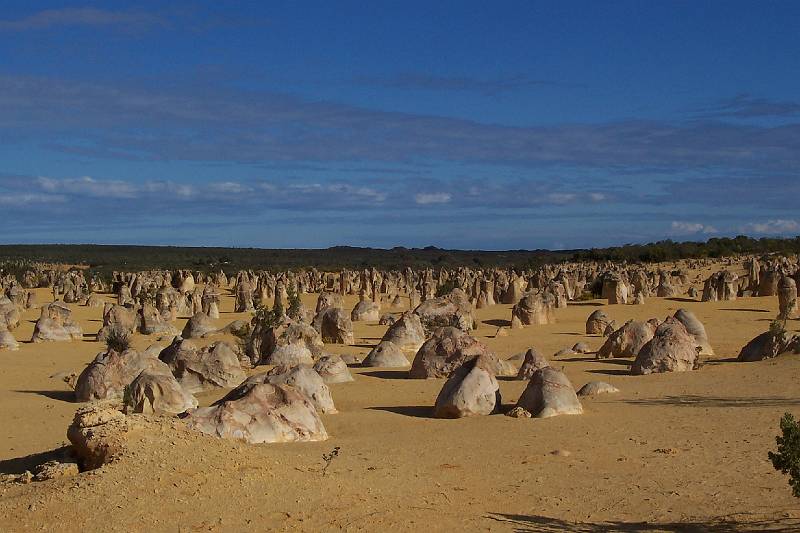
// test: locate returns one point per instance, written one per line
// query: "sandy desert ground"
(671, 452)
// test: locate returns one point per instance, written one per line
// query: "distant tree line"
(671, 251)
(103, 259)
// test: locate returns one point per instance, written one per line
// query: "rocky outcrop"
(627, 341)
(768, 345)
(334, 326)
(406, 333)
(110, 372)
(535, 309)
(261, 413)
(533, 361)
(154, 392)
(387, 355)
(200, 325)
(55, 324)
(448, 349)
(597, 322)
(671, 349)
(696, 329)
(594, 388)
(202, 369)
(333, 369)
(366, 311)
(549, 393)
(452, 310)
(470, 390)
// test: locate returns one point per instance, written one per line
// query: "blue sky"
(490, 125)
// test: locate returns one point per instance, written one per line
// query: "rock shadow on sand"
(19, 465)
(60, 395)
(711, 401)
(386, 374)
(544, 524)
(416, 411)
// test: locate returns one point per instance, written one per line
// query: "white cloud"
(27, 199)
(229, 187)
(433, 198)
(88, 186)
(560, 198)
(777, 226)
(691, 228)
(597, 196)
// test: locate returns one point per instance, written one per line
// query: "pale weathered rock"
(290, 355)
(55, 470)
(581, 347)
(117, 319)
(533, 361)
(615, 289)
(98, 434)
(627, 341)
(351, 359)
(365, 311)
(597, 322)
(518, 412)
(7, 340)
(333, 369)
(261, 413)
(787, 298)
(671, 349)
(9, 313)
(549, 393)
(107, 376)
(95, 300)
(593, 388)
(200, 325)
(56, 324)
(696, 329)
(303, 378)
(266, 338)
(406, 333)
(470, 390)
(387, 320)
(158, 393)
(196, 370)
(326, 300)
(334, 326)
(448, 349)
(535, 309)
(387, 355)
(151, 322)
(505, 368)
(768, 345)
(452, 310)
(564, 351)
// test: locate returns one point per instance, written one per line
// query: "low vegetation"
(787, 458)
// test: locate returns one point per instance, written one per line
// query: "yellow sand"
(685, 447)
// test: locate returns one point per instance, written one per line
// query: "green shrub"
(118, 340)
(271, 318)
(787, 457)
(295, 305)
(446, 288)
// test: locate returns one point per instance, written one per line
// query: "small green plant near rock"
(777, 328)
(127, 396)
(269, 317)
(787, 458)
(328, 458)
(295, 305)
(446, 288)
(118, 340)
